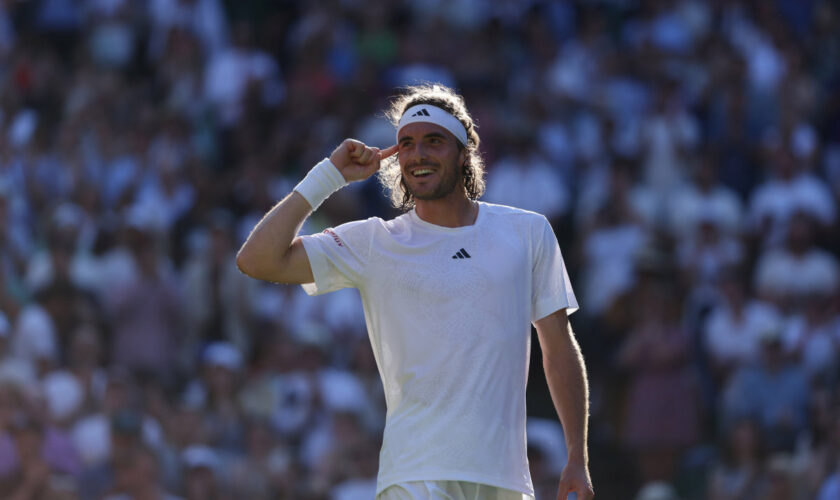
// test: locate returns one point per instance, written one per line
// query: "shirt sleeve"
(338, 256)
(550, 286)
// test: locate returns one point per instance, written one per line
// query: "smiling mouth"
(422, 172)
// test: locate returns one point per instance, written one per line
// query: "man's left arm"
(566, 375)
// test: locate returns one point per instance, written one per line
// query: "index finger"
(385, 153)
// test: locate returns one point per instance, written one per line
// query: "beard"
(447, 182)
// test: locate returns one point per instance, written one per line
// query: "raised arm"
(272, 251)
(566, 376)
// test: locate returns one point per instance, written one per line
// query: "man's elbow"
(259, 267)
(246, 263)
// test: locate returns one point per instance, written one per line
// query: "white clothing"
(611, 254)
(448, 490)
(448, 313)
(709, 259)
(730, 339)
(778, 199)
(34, 337)
(781, 273)
(664, 136)
(691, 206)
(530, 183)
(91, 436)
(815, 345)
(228, 74)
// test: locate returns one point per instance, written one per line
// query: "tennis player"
(450, 289)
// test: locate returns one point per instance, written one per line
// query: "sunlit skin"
(439, 196)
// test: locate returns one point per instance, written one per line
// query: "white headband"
(432, 114)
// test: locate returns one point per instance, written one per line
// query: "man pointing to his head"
(450, 289)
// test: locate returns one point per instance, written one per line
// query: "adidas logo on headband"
(432, 114)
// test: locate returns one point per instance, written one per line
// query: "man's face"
(430, 160)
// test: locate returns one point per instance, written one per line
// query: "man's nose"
(413, 154)
(420, 151)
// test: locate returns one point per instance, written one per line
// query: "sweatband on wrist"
(323, 180)
(432, 114)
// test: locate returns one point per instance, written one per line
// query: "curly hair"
(390, 174)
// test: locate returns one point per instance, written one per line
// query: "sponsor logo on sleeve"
(334, 237)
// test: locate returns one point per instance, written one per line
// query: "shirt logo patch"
(334, 237)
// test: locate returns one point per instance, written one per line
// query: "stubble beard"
(446, 185)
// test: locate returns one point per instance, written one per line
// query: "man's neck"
(451, 211)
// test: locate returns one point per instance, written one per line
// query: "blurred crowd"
(687, 153)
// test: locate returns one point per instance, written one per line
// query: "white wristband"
(323, 180)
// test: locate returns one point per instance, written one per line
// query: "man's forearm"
(271, 252)
(566, 376)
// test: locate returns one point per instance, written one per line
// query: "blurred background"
(687, 153)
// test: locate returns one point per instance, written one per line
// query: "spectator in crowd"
(705, 198)
(217, 297)
(526, 180)
(775, 391)
(661, 413)
(782, 479)
(811, 337)
(821, 454)
(733, 328)
(789, 275)
(139, 142)
(739, 472)
(266, 462)
(789, 190)
(136, 475)
(201, 466)
(216, 395)
(148, 307)
(611, 242)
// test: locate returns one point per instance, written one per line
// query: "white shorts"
(448, 490)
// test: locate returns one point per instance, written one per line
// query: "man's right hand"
(356, 161)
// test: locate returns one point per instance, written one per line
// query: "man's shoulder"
(512, 212)
(377, 226)
(361, 224)
(354, 231)
(518, 217)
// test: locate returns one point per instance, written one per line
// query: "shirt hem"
(317, 262)
(440, 475)
(550, 305)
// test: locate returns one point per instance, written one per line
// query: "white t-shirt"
(780, 272)
(448, 312)
(732, 339)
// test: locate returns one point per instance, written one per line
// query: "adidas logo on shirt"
(422, 112)
(462, 254)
